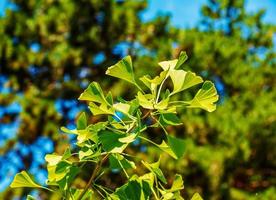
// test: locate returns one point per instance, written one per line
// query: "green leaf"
(174, 64)
(177, 145)
(89, 194)
(29, 197)
(82, 121)
(154, 167)
(129, 138)
(205, 97)
(183, 80)
(22, 179)
(145, 79)
(177, 183)
(103, 109)
(93, 93)
(135, 188)
(122, 107)
(109, 98)
(162, 105)
(168, 65)
(164, 146)
(53, 159)
(196, 196)
(182, 58)
(110, 141)
(146, 101)
(169, 119)
(123, 70)
(153, 83)
(118, 161)
(66, 130)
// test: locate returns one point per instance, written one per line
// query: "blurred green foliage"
(230, 154)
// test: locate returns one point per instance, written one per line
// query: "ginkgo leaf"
(154, 167)
(177, 145)
(110, 141)
(145, 79)
(123, 70)
(205, 97)
(53, 159)
(22, 179)
(81, 121)
(146, 101)
(196, 196)
(93, 93)
(182, 58)
(174, 64)
(153, 83)
(122, 107)
(177, 183)
(164, 146)
(162, 105)
(128, 139)
(100, 110)
(168, 65)
(169, 119)
(118, 161)
(183, 80)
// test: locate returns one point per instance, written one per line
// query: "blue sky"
(185, 13)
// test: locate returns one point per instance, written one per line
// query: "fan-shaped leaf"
(22, 179)
(183, 80)
(123, 70)
(93, 93)
(205, 97)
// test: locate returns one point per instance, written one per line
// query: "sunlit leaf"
(162, 105)
(22, 179)
(196, 196)
(128, 139)
(53, 159)
(123, 70)
(164, 146)
(178, 183)
(100, 110)
(154, 167)
(168, 65)
(183, 80)
(118, 161)
(122, 107)
(205, 97)
(146, 101)
(93, 93)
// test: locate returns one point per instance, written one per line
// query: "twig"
(96, 170)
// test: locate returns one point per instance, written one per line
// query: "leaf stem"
(96, 170)
(159, 90)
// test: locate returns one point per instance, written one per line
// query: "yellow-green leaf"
(93, 93)
(123, 70)
(205, 97)
(22, 179)
(183, 80)
(196, 196)
(146, 101)
(168, 65)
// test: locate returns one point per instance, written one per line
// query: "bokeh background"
(51, 50)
